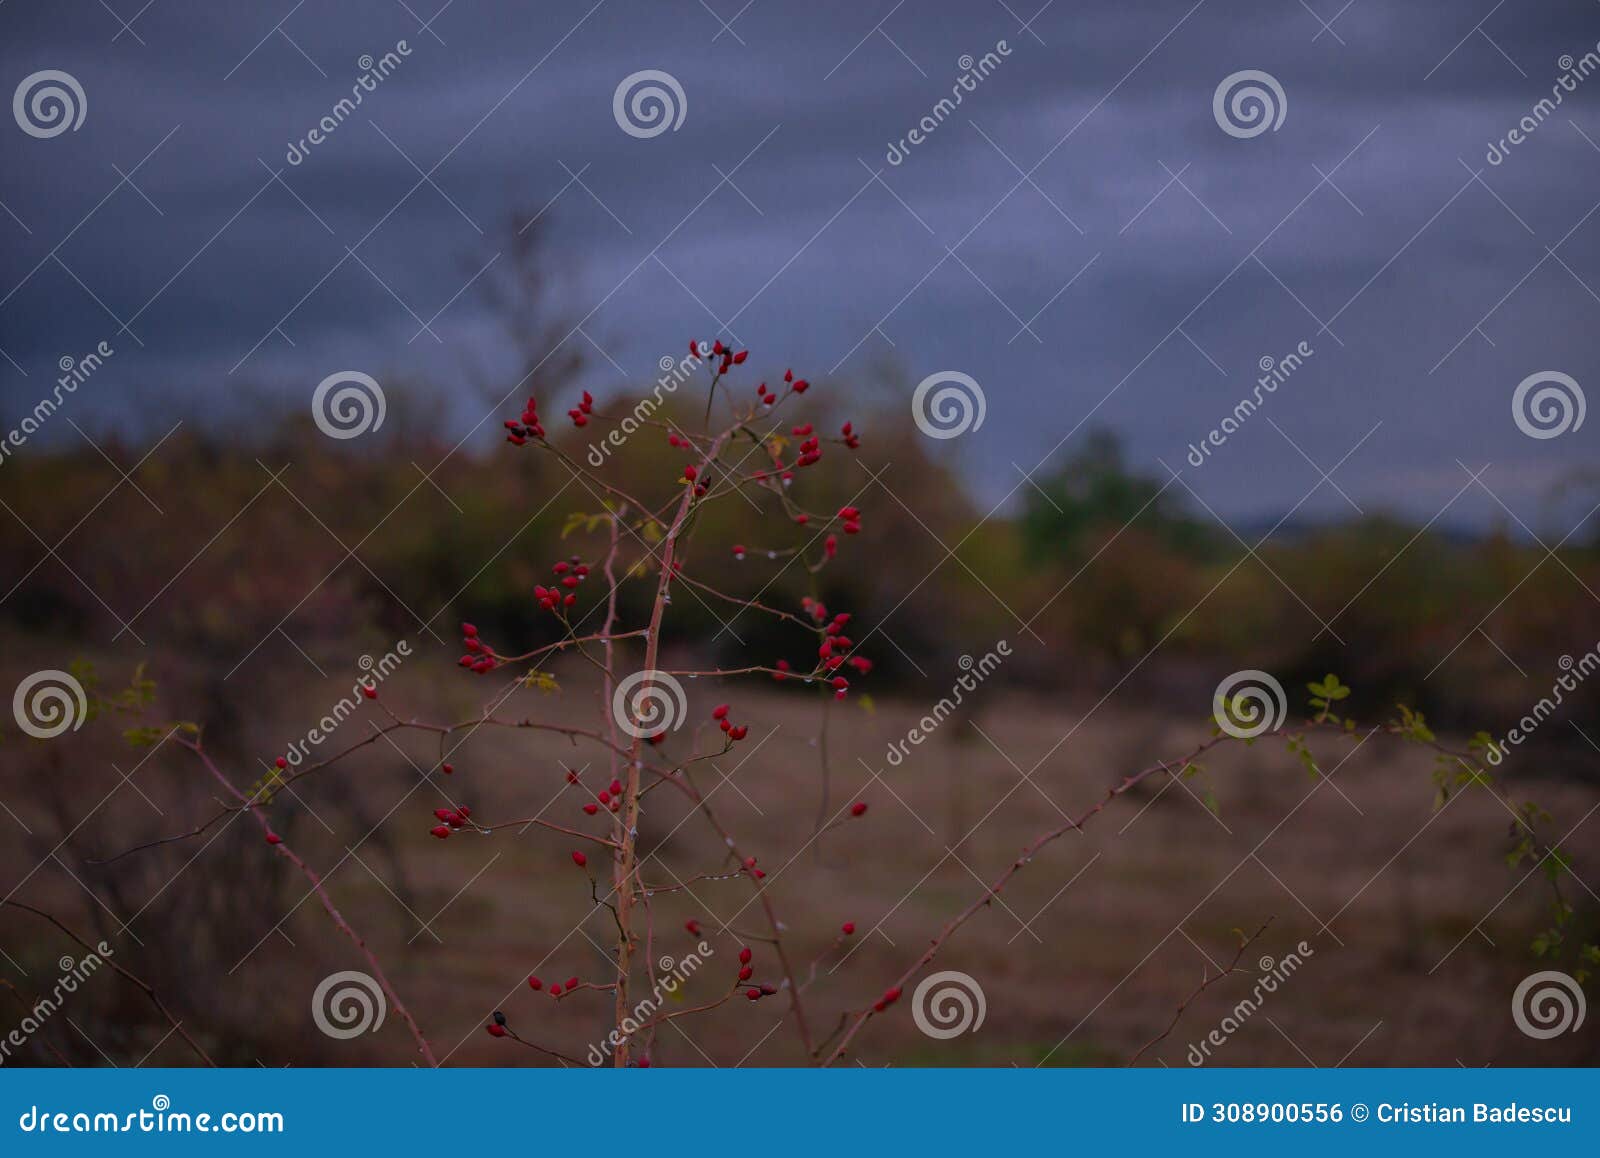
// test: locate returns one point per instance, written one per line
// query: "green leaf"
(1330, 688)
(146, 736)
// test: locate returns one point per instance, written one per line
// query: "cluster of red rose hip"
(569, 573)
(833, 652)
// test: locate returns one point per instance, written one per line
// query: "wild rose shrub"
(743, 452)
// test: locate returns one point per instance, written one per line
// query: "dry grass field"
(1418, 932)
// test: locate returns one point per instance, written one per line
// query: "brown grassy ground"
(1418, 930)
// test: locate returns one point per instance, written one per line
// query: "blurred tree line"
(223, 537)
(328, 541)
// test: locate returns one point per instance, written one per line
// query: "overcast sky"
(1368, 224)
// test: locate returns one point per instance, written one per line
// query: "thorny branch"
(1206, 982)
(155, 999)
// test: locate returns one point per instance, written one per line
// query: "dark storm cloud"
(1101, 104)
